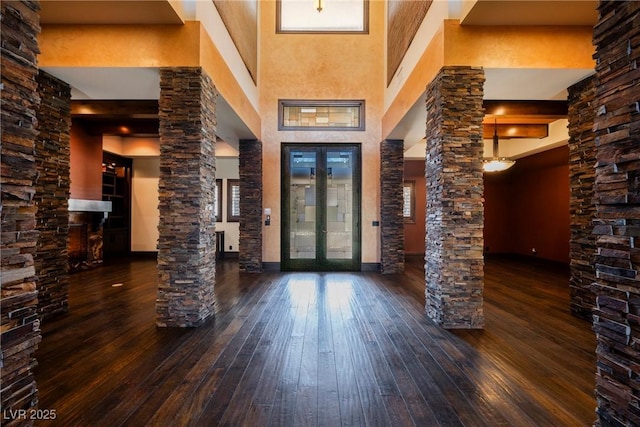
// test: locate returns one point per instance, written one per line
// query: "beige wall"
(145, 215)
(144, 204)
(312, 66)
(227, 168)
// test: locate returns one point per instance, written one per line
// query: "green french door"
(321, 187)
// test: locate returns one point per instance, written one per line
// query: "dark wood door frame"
(321, 262)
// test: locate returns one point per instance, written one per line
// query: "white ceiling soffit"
(531, 83)
(139, 83)
(517, 148)
(532, 12)
(230, 127)
(109, 12)
(109, 83)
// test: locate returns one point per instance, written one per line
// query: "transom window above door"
(322, 16)
(321, 115)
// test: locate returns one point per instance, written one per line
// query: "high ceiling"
(501, 84)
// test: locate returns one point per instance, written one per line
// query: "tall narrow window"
(409, 201)
(233, 200)
(217, 200)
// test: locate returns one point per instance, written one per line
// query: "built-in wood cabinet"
(116, 188)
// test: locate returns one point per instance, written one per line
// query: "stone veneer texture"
(454, 213)
(582, 158)
(186, 245)
(52, 194)
(616, 320)
(250, 256)
(391, 218)
(20, 325)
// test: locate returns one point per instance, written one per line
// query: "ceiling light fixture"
(497, 164)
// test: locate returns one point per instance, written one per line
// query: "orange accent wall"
(86, 164)
(306, 66)
(120, 45)
(528, 207)
(526, 46)
(414, 233)
(497, 225)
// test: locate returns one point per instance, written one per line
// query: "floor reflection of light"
(486, 375)
(339, 291)
(301, 288)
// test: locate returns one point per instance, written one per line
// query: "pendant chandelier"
(496, 163)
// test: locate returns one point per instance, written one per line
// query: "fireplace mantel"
(84, 205)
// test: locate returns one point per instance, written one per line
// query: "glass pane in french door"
(303, 201)
(339, 204)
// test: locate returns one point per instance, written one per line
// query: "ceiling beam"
(515, 131)
(99, 109)
(121, 127)
(549, 109)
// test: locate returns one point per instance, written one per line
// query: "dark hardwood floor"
(322, 349)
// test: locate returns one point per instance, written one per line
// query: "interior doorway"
(116, 188)
(321, 194)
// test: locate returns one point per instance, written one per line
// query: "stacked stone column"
(617, 197)
(52, 194)
(454, 213)
(391, 219)
(250, 256)
(186, 245)
(19, 295)
(582, 158)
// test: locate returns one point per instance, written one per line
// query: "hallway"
(318, 349)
